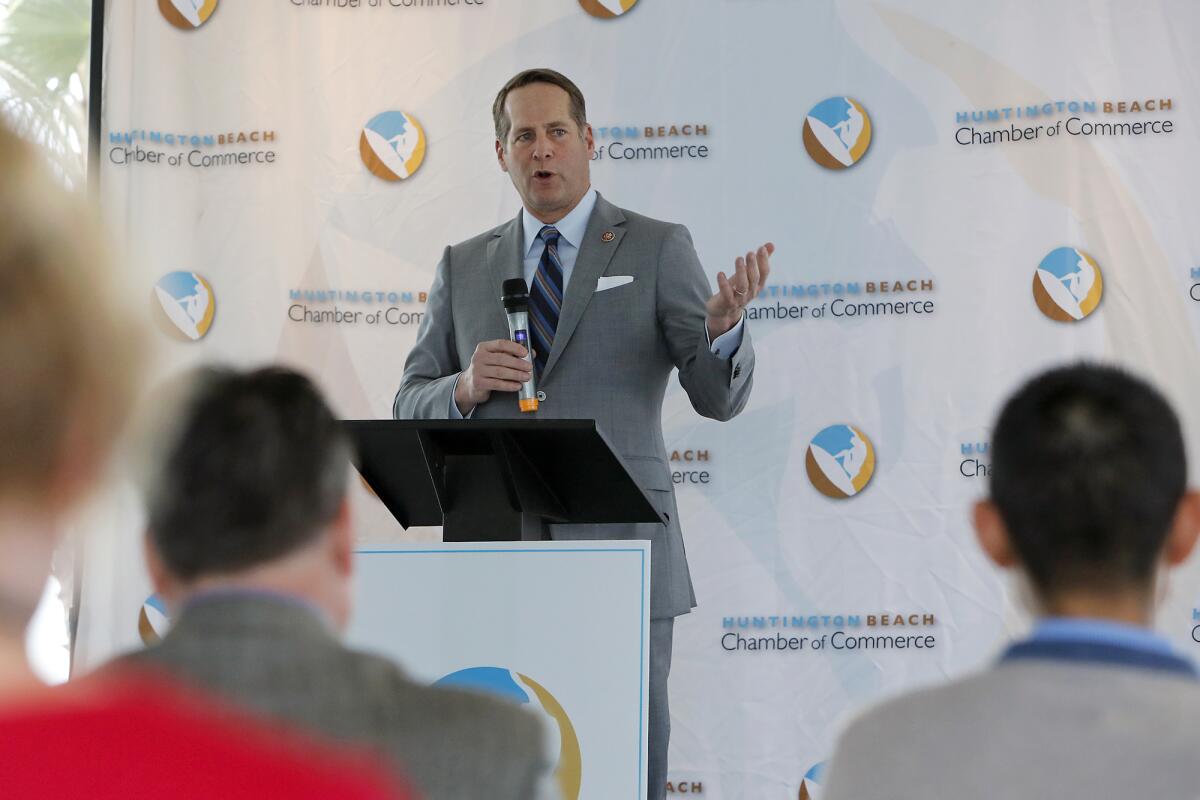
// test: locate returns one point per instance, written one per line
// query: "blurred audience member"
(1089, 503)
(250, 544)
(68, 366)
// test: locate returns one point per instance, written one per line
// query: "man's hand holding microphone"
(496, 366)
(502, 365)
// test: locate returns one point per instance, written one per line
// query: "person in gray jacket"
(250, 544)
(617, 301)
(1089, 503)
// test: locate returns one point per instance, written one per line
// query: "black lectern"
(496, 480)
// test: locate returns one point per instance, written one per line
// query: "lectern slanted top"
(497, 480)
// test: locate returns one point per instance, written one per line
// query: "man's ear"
(342, 535)
(992, 535)
(589, 139)
(1185, 528)
(500, 156)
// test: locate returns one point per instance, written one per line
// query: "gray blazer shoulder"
(1030, 729)
(280, 662)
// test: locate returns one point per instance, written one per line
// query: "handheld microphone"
(516, 306)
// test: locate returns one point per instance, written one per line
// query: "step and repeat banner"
(961, 195)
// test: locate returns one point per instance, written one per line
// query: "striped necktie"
(545, 297)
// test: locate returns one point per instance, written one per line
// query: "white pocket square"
(612, 281)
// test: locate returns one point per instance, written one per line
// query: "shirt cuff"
(456, 414)
(724, 346)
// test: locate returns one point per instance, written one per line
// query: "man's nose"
(543, 148)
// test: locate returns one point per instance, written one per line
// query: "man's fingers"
(725, 291)
(752, 279)
(762, 268)
(506, 374)
(503, 346)
(764, 262)
(500, 353)
(514, 372)
(498, 385)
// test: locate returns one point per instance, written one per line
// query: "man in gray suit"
(1089, 503)
(616, 301)
(251, 546)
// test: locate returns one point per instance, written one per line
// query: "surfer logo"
(1067, 285)
(837, 132)
(607, 9)
(810, 785)
(840, 461)
(392, 145)
(185, 305)
(187, 14)
(153, 621)
(529, 693)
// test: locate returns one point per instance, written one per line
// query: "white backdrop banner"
(961, 195)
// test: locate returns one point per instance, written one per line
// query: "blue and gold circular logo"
(810, 784)
(185, 305)
(153, 620)
(392, 145)
(1067, 286)
(187, 14)
(607, 9)
(526, 691)
(840, 461)
(837, 132)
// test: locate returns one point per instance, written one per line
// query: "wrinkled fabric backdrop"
(961, 195)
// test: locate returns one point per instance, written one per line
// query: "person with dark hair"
(1089, 503)
(617, 301)
(72, 357)
(250, 544)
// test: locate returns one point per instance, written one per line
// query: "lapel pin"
(607, 236)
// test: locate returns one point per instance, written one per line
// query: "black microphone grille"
(514, 286)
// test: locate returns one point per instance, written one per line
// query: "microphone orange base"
(528, 405)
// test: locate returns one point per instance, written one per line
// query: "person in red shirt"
(69, 362)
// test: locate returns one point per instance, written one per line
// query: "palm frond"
(43, 44)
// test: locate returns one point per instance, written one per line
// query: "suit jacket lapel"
(594, 256)
(504, 252)
(505, 260)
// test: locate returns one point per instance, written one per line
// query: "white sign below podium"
(560, 626)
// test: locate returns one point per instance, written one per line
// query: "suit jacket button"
(541, 396)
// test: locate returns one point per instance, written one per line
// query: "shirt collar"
(571, 228)
(1085, 629)
(1100, 642)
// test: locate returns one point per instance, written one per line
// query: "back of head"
(255, 469)
(67, 352)
(1088, 470)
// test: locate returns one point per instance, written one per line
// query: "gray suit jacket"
(613, 354)
(278, 659)
(1028, 729)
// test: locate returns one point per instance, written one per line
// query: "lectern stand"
(542, 623)
(497, 480)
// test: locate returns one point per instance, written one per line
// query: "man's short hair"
(1088, 469)
(70, 350)
(256, 468)
(576, 105)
